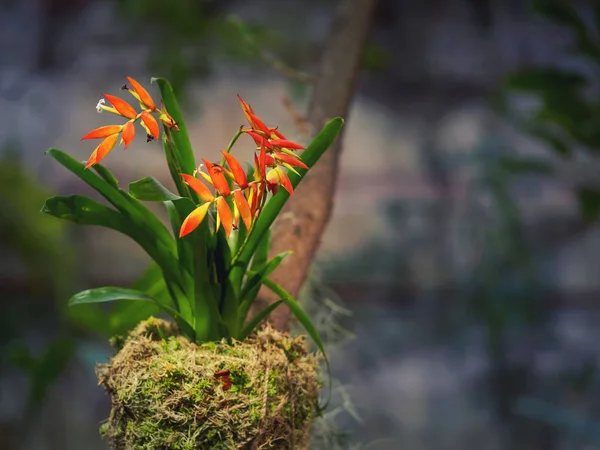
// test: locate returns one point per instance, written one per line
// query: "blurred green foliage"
(561, 103)
(40, 246)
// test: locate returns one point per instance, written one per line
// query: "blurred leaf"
(560, 11)
(589, 203)
(375, 57)
(545, 80)
(550, 137)
(526, 166)
(149, 189)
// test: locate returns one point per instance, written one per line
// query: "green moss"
(165, 394)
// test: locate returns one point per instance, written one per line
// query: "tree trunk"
(302, 221)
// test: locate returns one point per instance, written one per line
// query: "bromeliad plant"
(206, 274)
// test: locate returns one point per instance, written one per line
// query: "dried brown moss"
(165, 394)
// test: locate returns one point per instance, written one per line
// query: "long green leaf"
(108, 294)
(208, 322)
(252, 285)
(304, 321)
(149, 189)
(175, 169)
(258, 262)
(107, 175)
(256, 320)
(85, 211)
(125, 315)
(112, 294)
(135, 211)
(310, 156)
(183, 146)
(144, 227)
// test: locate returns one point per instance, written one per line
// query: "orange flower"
(224, 215)
(128, 134)
(122, 108)
(242, 207)
(150, 124)
(237, 171)
(140, 94)
(216, 178)
(102, 150)
(195, 218)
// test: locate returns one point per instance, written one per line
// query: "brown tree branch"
(305, 216)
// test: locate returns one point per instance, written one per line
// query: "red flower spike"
(128, 134)
(151, 124)
(198, 187)
(218, 179)
(103, 132)
(246, 109)
(262, 161)
(194, 219)
(122, 107)
(102, 150)
(277, 134)
(291, 160)
(259, 139)
(259, 124)
(142, 93)
(270, 161)
(239, 175)
(224, 215)
(286, 144)
(243, 207)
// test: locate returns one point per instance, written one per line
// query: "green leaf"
(183, 146)
(147, 223)
(256, 320)
(310, 156)
(142, 225)
(106, 175)
(304, 321)
(108, 294)
(85, 211)
(127, 314)
(112, 294)
(560, 11)
(252, 285)
(175, 169)
(149, 189)
(589, 203)
(258, 262)
(206, 308)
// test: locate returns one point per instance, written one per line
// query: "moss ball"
(169, 393)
